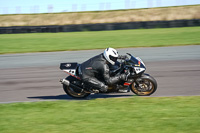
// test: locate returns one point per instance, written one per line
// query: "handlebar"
(123, 57)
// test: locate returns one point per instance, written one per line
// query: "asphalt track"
(35, 76)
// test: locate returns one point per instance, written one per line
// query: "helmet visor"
(113, 58)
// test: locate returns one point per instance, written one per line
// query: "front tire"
(73, 92)
(144, 86)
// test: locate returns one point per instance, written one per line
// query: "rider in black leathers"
(95, 71)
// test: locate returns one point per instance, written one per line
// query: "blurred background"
(52, 6)
(61, 16)
(29, 64)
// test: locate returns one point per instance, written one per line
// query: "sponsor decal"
(139, 63)
(68, 65)
(88, 68)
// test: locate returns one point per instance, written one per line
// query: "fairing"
(136, 63)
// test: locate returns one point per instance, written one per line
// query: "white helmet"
(111, 55)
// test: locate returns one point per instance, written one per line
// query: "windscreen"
(134, 61)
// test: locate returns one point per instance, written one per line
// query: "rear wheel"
(73, 92)
(144, 86)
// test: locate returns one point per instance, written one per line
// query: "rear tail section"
(70, 68)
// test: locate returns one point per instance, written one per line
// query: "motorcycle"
(138, 82)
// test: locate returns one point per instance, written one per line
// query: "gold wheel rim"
(142, 93)
(73, 93)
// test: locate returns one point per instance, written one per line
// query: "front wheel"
(144, 86)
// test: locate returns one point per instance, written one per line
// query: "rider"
(95, 71)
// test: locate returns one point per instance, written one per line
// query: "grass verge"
(116, 115)
(40, 42)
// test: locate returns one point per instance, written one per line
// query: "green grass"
(40, 42)
(116, 115)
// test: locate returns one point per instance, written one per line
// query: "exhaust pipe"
(64, 81)
(67, 83)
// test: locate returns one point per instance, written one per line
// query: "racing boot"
(104, 88)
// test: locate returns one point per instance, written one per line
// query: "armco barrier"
(100, 27)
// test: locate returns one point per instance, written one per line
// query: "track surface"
(35, 76)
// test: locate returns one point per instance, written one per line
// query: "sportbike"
(138, 82)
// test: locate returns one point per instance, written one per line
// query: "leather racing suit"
(96, 74)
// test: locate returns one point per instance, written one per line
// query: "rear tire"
(73, 92)
(144, 86)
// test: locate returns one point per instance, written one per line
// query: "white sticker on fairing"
(139, 70)
(71, 71)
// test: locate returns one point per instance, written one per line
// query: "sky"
(55, 6)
